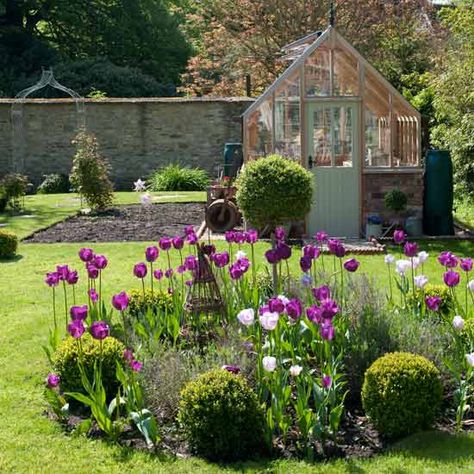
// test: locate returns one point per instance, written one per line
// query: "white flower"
(295, 370)
(240, 254)
(246, 316)
(458, 323)
(470, 285)
(139, 186)
(145, 199)
(416, 262)
(269, 363)
(423, 256)
(269, 320)
(389, 258)
(470, 359)
(402, 266)
(421, 281)
(283, 299)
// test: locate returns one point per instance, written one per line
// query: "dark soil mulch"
(124, 223)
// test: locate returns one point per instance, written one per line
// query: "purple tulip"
(158, 274)
(92, 271)
(191, 262)
(192, 239)
(76, 329)
(220, 259)
(52, 279)
(321, 237)
(120, 301)
(100, 261)
(311, 251)
(99, 330)
(140, 270)
(451, 278)
(230, 236)
(235, 272)
(188, 283)
(78, 313)
(351, 265)
(128, 355)
(178, 242)
(410, 249)
(169, 273)
(151, 254)
(326, 381)
(294, 309)
(305, 263)
(448, 259)
(209, 249)
(466, 264)
(72, 277)
(399, 236)
(276, 305)
(52, 380)
(321, 293)
(136, 366)
(233, 369)
(272, 256)
(188, 230)
(165, 243)
(283, 251)
(239, 238)
(86, 254)
(314, 314)
(93, 295)
(329, 309)
(243, 263)
(336, 248)
(326, 330)
(181, 269)
(433, 302)
(280, 234)
(251, 236)
(62, 271)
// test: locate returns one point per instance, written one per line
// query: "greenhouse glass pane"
(259, 131)
(346, 74)
(318, 72)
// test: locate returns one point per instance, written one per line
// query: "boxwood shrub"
(8, 244)
(402, 393)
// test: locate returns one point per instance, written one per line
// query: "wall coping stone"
(131, 100)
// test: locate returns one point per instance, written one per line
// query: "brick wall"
(376, 185)
(136, 135)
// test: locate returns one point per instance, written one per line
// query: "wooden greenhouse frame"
(333, 109)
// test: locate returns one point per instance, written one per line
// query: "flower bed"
(300, 344)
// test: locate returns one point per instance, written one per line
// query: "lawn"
(30, 442)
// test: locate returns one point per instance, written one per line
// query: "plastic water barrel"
(438, 193)
(233, 158)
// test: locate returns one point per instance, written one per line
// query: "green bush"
(65, 362)
(395, 200)
(14, 187)
(8, 243)
(90, 173)
(274, 190)
(221, 417)
(158, 301)
(177, 178)
(3, 198)
(54, 183)
(447, 304)
(402, 393)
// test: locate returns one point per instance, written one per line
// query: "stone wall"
(136, 135)
(377, 184)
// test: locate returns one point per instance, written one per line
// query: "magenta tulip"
(99, 330)
(120, 301)
(151, 254)
(76, 329)
(140, 270)
(86, 254)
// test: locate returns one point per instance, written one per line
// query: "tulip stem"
(342, 284)
(54, 310)
(390, 282)
(143, 287)
(74, 294)
(151, 277)
(100, 294)
(65, 301)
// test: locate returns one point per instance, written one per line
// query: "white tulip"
(240, 254)
(402, 266)
(269, 320)
(458, 323)
(420, 281)
(246, 317)
(269, 363)
(423, 256)
(295, 370)
(470, 359)
(470, 285)
(389, 258)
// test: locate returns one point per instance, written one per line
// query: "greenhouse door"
(333, 157)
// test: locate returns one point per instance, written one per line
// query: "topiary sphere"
(8, 244)
(402, 393)
(221, 417)
(158, 301)
(274, 190)
(66, 357)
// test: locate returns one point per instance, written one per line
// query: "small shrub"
(447, 304)
(65, 362)
(158, 301)
(8, 244)
(90, 173)
(402, 393)
(54, 183)
(221, 416)
(177, 178)
(395, 200)
(14, 187)
(274, 190)
(3, 198)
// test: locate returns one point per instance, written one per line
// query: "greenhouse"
(336, 114)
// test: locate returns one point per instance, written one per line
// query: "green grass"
(464, 213)
(43, 210)
(31, 443)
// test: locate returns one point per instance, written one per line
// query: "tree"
(240, 37)
(454, 96)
